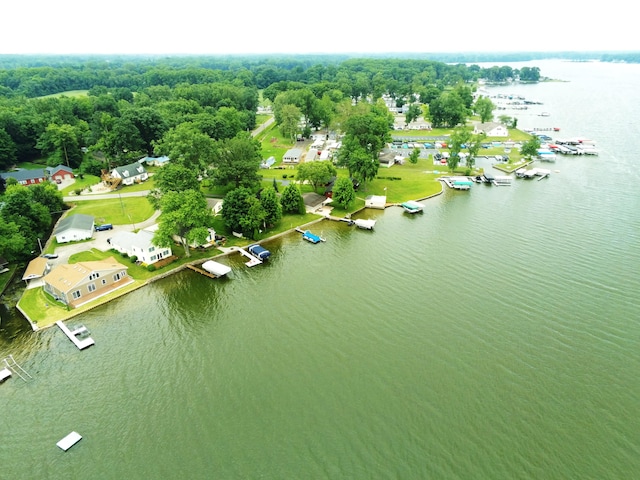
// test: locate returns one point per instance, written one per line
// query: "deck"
(73, 335)
(253, 260)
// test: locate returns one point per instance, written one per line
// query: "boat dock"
(81, 331)
(253, 261)
(11, 367)
(457, 183)
(211, 269)
(69, 441)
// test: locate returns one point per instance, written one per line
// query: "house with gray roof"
(26, 177)
(130, 174)
(292, 155)
(74, 228)
(139, 245)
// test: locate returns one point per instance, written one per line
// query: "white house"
(74, 228)
(155, 161)
(139, 245)
(491, 129)
(130, 174)
(293, 155)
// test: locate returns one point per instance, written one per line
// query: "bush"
(284, 175)
(77, 191)
(133, 259)
(151, 268)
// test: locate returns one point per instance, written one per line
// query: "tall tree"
(186, 145)
(343, 192)
(530, 148)
(271, 206)
(242, 211)
(316, 173)
(237, 162)
(292, 199)
(186, 215)
(484, 107)
(62, 143)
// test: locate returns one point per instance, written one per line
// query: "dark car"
(50, 256)
(106, 226)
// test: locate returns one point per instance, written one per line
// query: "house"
(37, 268)
(139, 245)
(215, 204)
(376, 201)
(155, 161)
(74, 228)
(314, 202)
(26, 177)
(77, 283)
(491, 129)
(60, 173)
(130, 174)
(293, 155)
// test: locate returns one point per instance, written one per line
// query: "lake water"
(496, 336)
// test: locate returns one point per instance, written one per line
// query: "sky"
(330, 26)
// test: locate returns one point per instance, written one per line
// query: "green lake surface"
(495, 336)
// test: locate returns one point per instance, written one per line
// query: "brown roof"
(67, 276)
(35, 269)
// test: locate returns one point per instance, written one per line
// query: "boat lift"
(13, 367)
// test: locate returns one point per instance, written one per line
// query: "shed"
(376, 201)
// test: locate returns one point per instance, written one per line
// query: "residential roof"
(35, 269)
(67, 276)
(293, 153)
(79, 221)
(23, 175)
(131, 170)
(51, 170)
(128, 240)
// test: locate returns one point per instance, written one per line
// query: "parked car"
(106, 226)
(50, 256)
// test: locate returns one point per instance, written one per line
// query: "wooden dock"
(73, 335)
(201, 271)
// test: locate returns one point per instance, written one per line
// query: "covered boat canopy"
(215, 268)
(260, 252)
(310, 237)
(364, 224)
(412, 207)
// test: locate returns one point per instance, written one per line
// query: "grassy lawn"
(68, 93)
(118, 211)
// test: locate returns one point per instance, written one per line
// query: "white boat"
(364, 224)
(215, 268)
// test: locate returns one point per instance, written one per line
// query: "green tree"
(474, 146)
(186, 145)
(8, 150)
(62, 143)
(21, 208)
(48, 195)
(237, 162)
(316, 173)
(413, 112)
(271, 206)
(530, 148)
(291, 199)
(414, 156)
(343, 192)
(13, 244)
(186, 215)
(448, 110)
(484, 107)
(173, 177)
(288, 119)
(242, 212)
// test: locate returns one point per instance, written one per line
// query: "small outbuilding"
(74, 228)
(376, 201)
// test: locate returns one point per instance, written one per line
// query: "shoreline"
(226, 251)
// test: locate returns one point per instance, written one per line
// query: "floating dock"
(4, 374)
(310, 237)
(69, 441)
(81, 331)
(11, 367)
